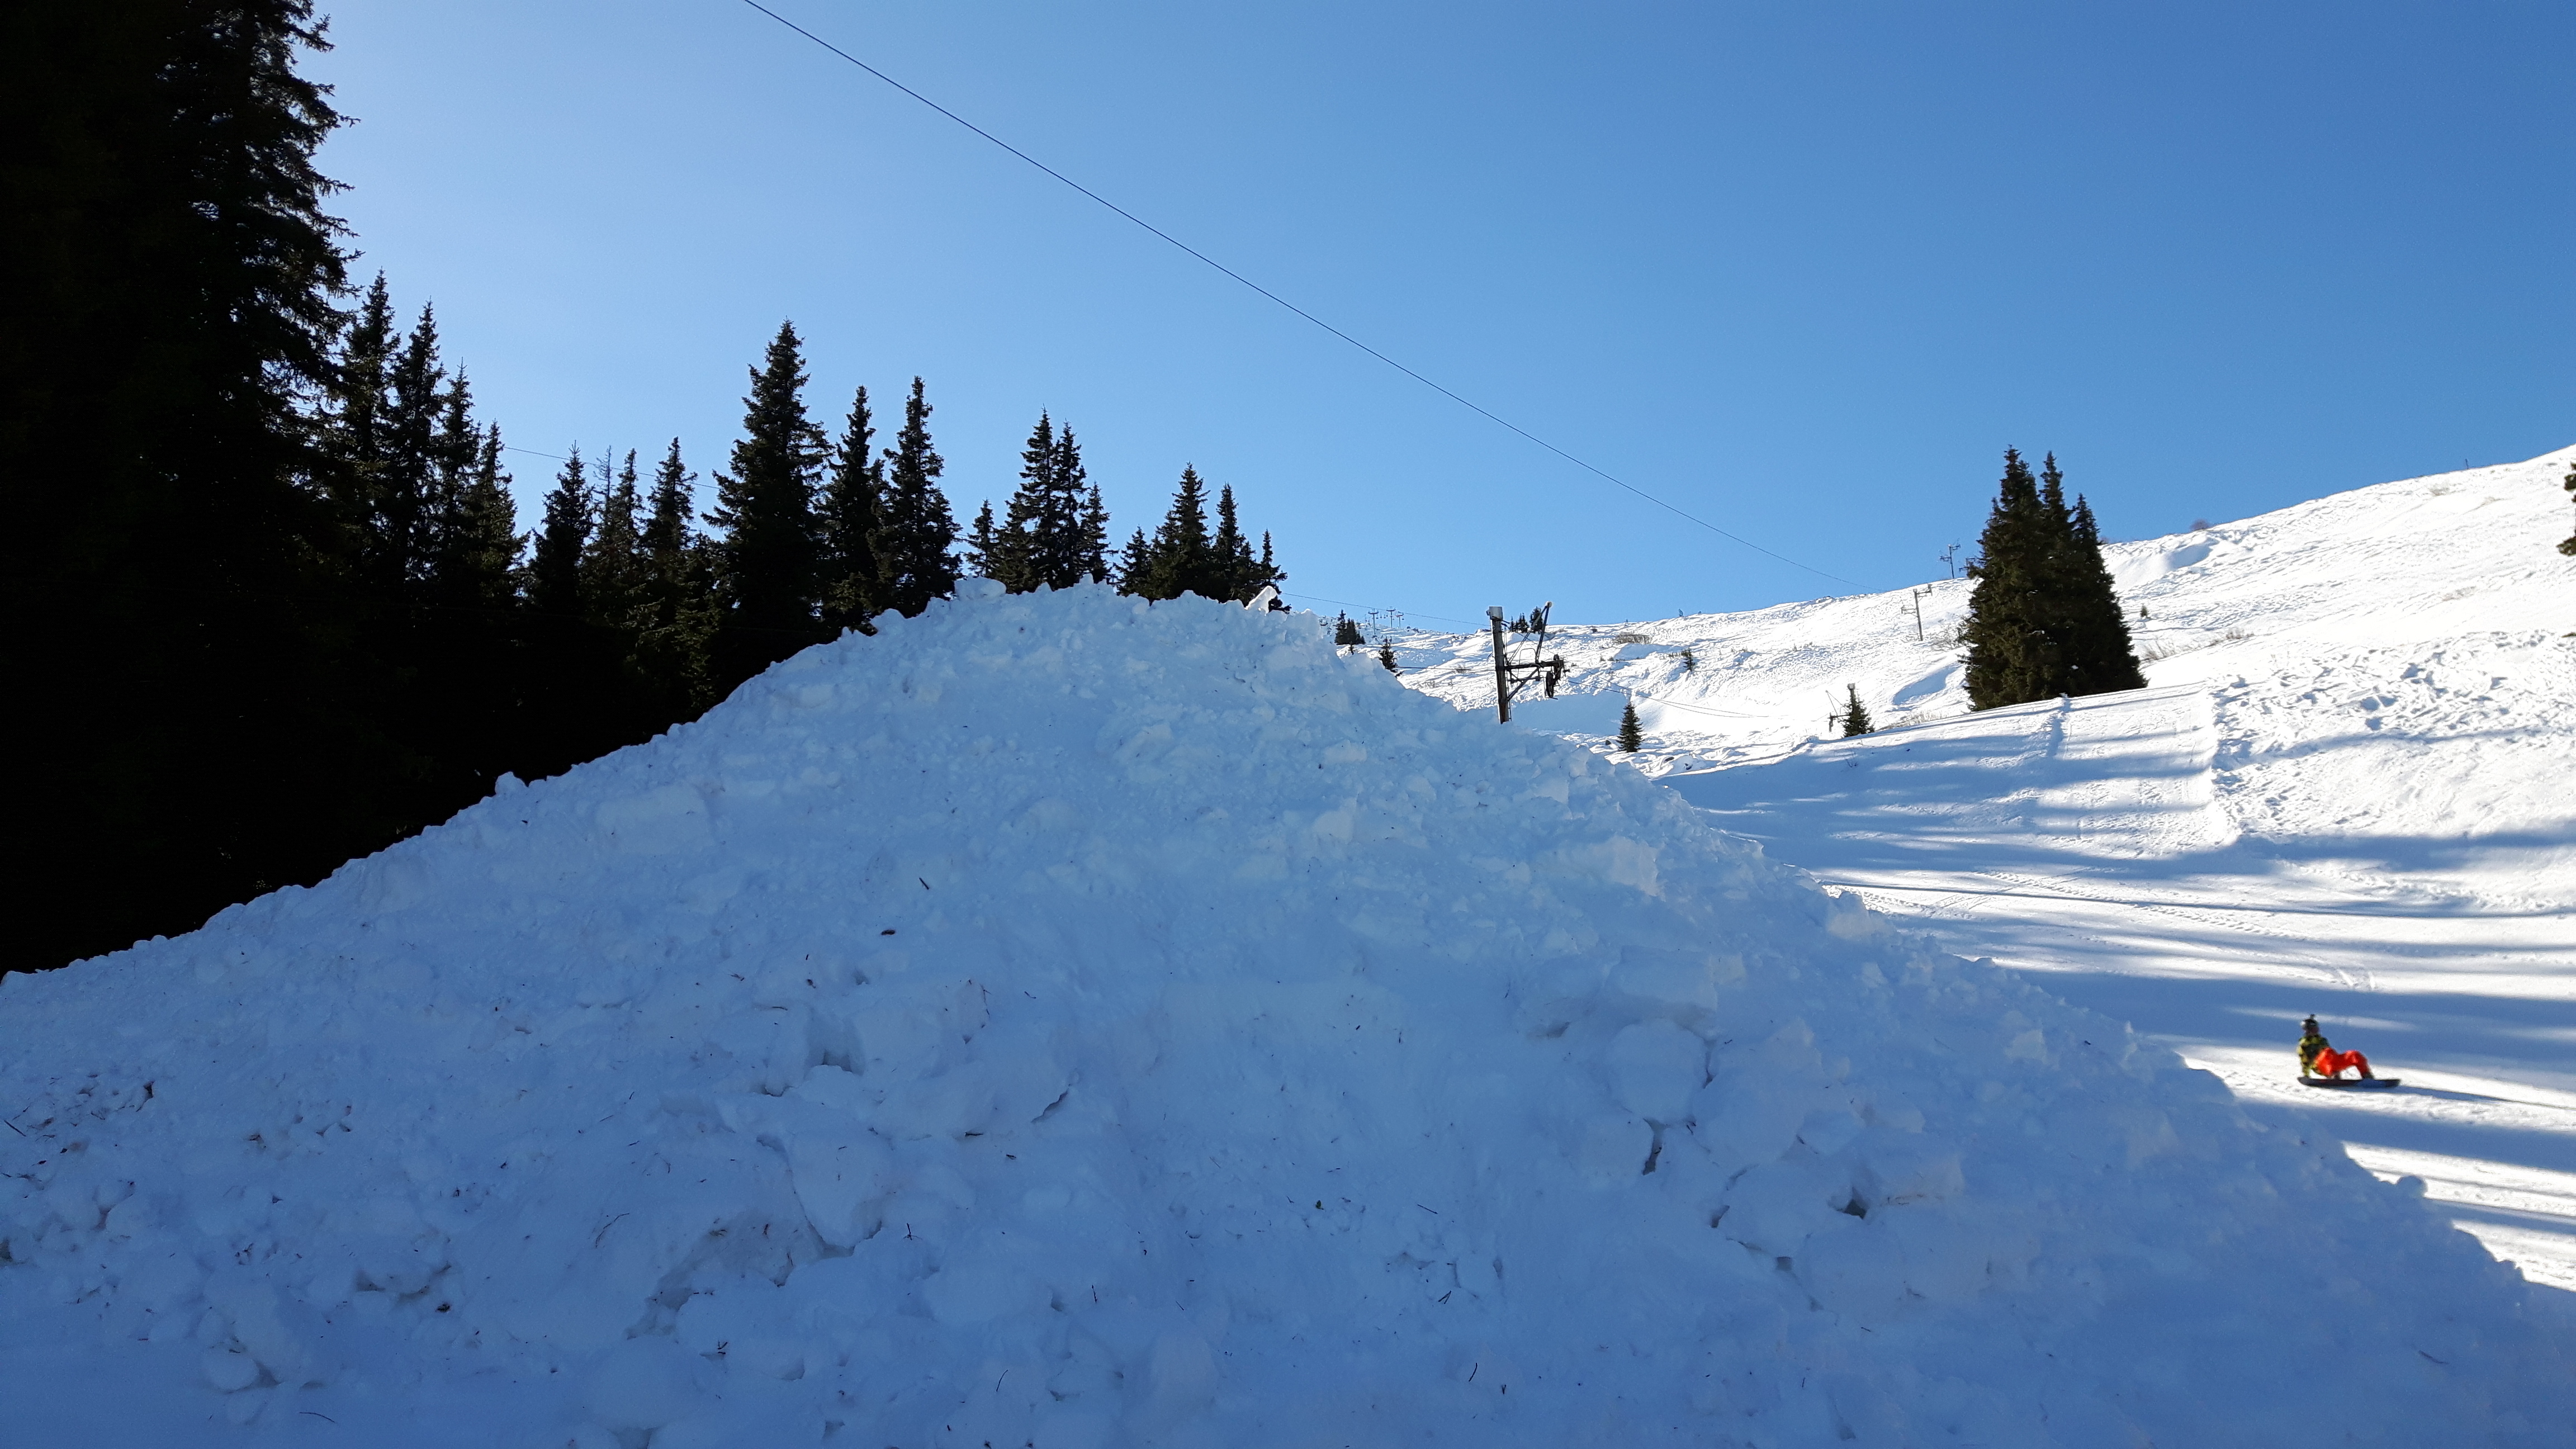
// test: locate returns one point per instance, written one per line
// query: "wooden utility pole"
(1918, 616)
(1502, 667)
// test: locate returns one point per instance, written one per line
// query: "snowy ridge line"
(1068, 1021)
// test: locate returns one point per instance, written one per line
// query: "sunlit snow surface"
(1058, 1021)
(2351, 790)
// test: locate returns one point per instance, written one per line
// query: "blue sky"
(1801, 270)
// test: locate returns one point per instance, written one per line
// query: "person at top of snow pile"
(2318, 1058)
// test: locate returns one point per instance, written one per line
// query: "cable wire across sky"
(1478, 409)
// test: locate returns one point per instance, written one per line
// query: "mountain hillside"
(2346, 792)
(2398, 563)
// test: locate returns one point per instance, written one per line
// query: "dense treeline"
(2043, 619)
(276, 608)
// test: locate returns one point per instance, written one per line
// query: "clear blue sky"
(1803, 270)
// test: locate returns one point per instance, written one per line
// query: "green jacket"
(2309, 1045)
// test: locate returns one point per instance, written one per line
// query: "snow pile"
(1061, 1022)
(2397, 563)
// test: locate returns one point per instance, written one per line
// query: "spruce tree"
(1632, 735)
(554, 572)
(2044, 618)
(1271, 572)
(613, 565)
(1231, 567)
(2010, 656)
(851, 503)
(172, 284)
(1091, 553)
(1182, 559)
(675, 643)
(2101, 655)
(1346, 635)
(765, 504)
(981, 558)
(479, 541)
(1136, 565)
(403, 505)
(1055, 531)
(1855, 714)
(916, 531)
(1386, 656)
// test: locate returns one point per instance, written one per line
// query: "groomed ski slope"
(1058, 1021)
(2347, 792)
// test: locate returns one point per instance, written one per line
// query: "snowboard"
(2308, 1081)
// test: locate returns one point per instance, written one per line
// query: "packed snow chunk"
(1060, 1020)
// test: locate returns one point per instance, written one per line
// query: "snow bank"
(1061, 1022)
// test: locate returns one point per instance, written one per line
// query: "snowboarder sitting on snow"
(2317, 1058)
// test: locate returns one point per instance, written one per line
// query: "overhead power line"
(1476, 408)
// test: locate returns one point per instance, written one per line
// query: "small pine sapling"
(1632, 736)
(1855, 714)
(1386, 656)
(1690, 662)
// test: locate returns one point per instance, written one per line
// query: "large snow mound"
(1059, 1021)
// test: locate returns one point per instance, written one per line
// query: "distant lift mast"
(1511, 675)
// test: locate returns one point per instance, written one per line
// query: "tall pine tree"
(765, 504)
(2010, 657)
(674, 645)
(1054, 532)
(915, 530)
(554, 573)
(852, 500)
(613, 566)
(1184, 562)
(2043, 619)
(172, 280)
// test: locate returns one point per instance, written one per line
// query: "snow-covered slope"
(2399, 563)
(2349, 792)
(1057, 1021)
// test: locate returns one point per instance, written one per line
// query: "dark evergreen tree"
(1386, 656)
(983, 549)
(1054, 532)
(916, 530)
(171, 284)
(1136, 565)
(2099, 651)
(676, 633)
(2010, 656)
(2043, 619)
(765, 504)
(1855, 714)
(851, 504)
(1632, 735)
(1093, 548)
(613, 564)
(1183, 561)
(479, 542)
(1346, 635)
(1233, 571)
(554, 572)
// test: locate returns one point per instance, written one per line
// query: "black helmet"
(2309, 1025)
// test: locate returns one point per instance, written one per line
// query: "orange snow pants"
(2330, 1063)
